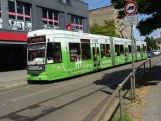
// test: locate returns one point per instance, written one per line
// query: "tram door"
(96, 55)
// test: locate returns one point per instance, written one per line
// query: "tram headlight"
(43, 67)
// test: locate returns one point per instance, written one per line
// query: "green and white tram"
(57, 54)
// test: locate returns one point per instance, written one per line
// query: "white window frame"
(53, 13)
(65, 1)
(74, 22)
(1, 14)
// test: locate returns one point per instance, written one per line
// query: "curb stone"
(111, 110)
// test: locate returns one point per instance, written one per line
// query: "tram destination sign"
(36, 39)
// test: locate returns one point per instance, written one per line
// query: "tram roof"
(43, 32)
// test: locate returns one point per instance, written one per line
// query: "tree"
(148, 7)
(121, 27)
(108, 29)
(151, 43)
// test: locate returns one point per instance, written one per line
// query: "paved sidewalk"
(152, 111)
(7, 77)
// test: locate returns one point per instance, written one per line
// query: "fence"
(130, 77)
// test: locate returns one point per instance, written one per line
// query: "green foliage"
(108, 29)
(126, 118)
(148, 7)
(151, 43)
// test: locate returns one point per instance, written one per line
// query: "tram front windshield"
(36, 54)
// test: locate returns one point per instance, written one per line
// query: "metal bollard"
(144, 68)
(134, 87)
(132, 93)
(150, 64)
(121, 104)
(144, 73)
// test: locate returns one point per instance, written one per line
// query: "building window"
(27, 12)
(65, 1)
(77, 23)
(0, 8)
(50, 18)
(1, 20)
(11, 6)
(19, 16)
(44, 15)
(20, 11)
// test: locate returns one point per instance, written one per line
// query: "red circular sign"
(130, 8)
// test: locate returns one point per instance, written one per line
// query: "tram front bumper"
(37, 78)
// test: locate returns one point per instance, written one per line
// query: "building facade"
(158, 42)
(17, 17)
(99, 15)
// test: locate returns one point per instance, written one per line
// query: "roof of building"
(101, 8)
(158, 39)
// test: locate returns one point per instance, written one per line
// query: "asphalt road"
(68, 100)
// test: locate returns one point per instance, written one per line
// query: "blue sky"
(101, 3)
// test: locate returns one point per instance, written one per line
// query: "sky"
(101, 3)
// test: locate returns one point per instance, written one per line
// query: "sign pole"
(133, 51)
(131, 19)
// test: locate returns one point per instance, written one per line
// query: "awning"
(10, 42)
(13, 36)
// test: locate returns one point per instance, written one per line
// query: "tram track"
(28, 87)
(34, 105)
(16, 89)
(112, 77)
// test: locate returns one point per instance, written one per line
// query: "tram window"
(130, 49)
(74, 50)
(54, 52)
(138, 48)
(105, 50)
(121, 49)
(86, 51)
(144, 48)
(117, 50)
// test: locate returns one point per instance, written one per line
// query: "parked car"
(156, 52)
(150, 54)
